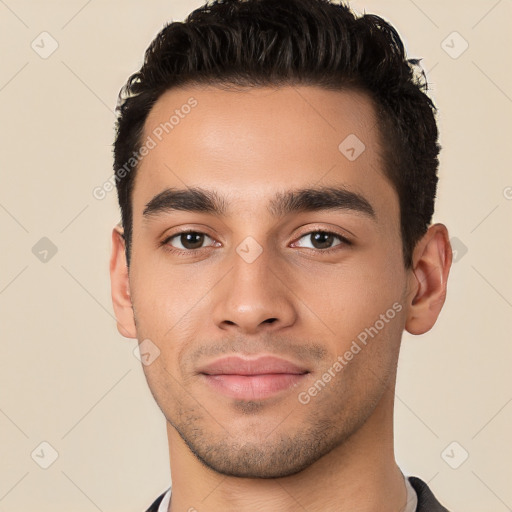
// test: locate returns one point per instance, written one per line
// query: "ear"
(120, 286)
(432, 260)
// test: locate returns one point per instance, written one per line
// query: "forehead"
(246, 144)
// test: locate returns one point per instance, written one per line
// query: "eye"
(322, 240)
(187, 240)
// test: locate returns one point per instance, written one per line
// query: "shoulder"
(427, 502)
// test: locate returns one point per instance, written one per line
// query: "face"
(278, 314)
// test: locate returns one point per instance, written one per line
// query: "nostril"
(270, 320)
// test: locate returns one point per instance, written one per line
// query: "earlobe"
(120, 286)
(432, 260)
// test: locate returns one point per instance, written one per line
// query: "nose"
(254, 296)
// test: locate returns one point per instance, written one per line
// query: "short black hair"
(258, 43)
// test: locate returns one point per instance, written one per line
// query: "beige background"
(69, 379)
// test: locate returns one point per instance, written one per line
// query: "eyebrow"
(200, 200)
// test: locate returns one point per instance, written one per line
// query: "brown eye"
(188, 241)
(322, 240)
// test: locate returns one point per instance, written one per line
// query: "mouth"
(252, 379)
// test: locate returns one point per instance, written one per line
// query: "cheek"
(170, 307)
(165, 296)
(349, 298)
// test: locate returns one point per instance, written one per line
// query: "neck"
(359, 475)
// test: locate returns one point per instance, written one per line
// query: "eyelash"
(344, 241)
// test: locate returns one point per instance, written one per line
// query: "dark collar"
(156, 503)
(426, 500)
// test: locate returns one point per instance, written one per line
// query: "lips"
(252, 379)
(234, 365)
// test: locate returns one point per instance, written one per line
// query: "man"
(276, 171)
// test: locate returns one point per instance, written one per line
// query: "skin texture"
(293, 301)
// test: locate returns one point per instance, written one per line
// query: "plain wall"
(69, 379)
